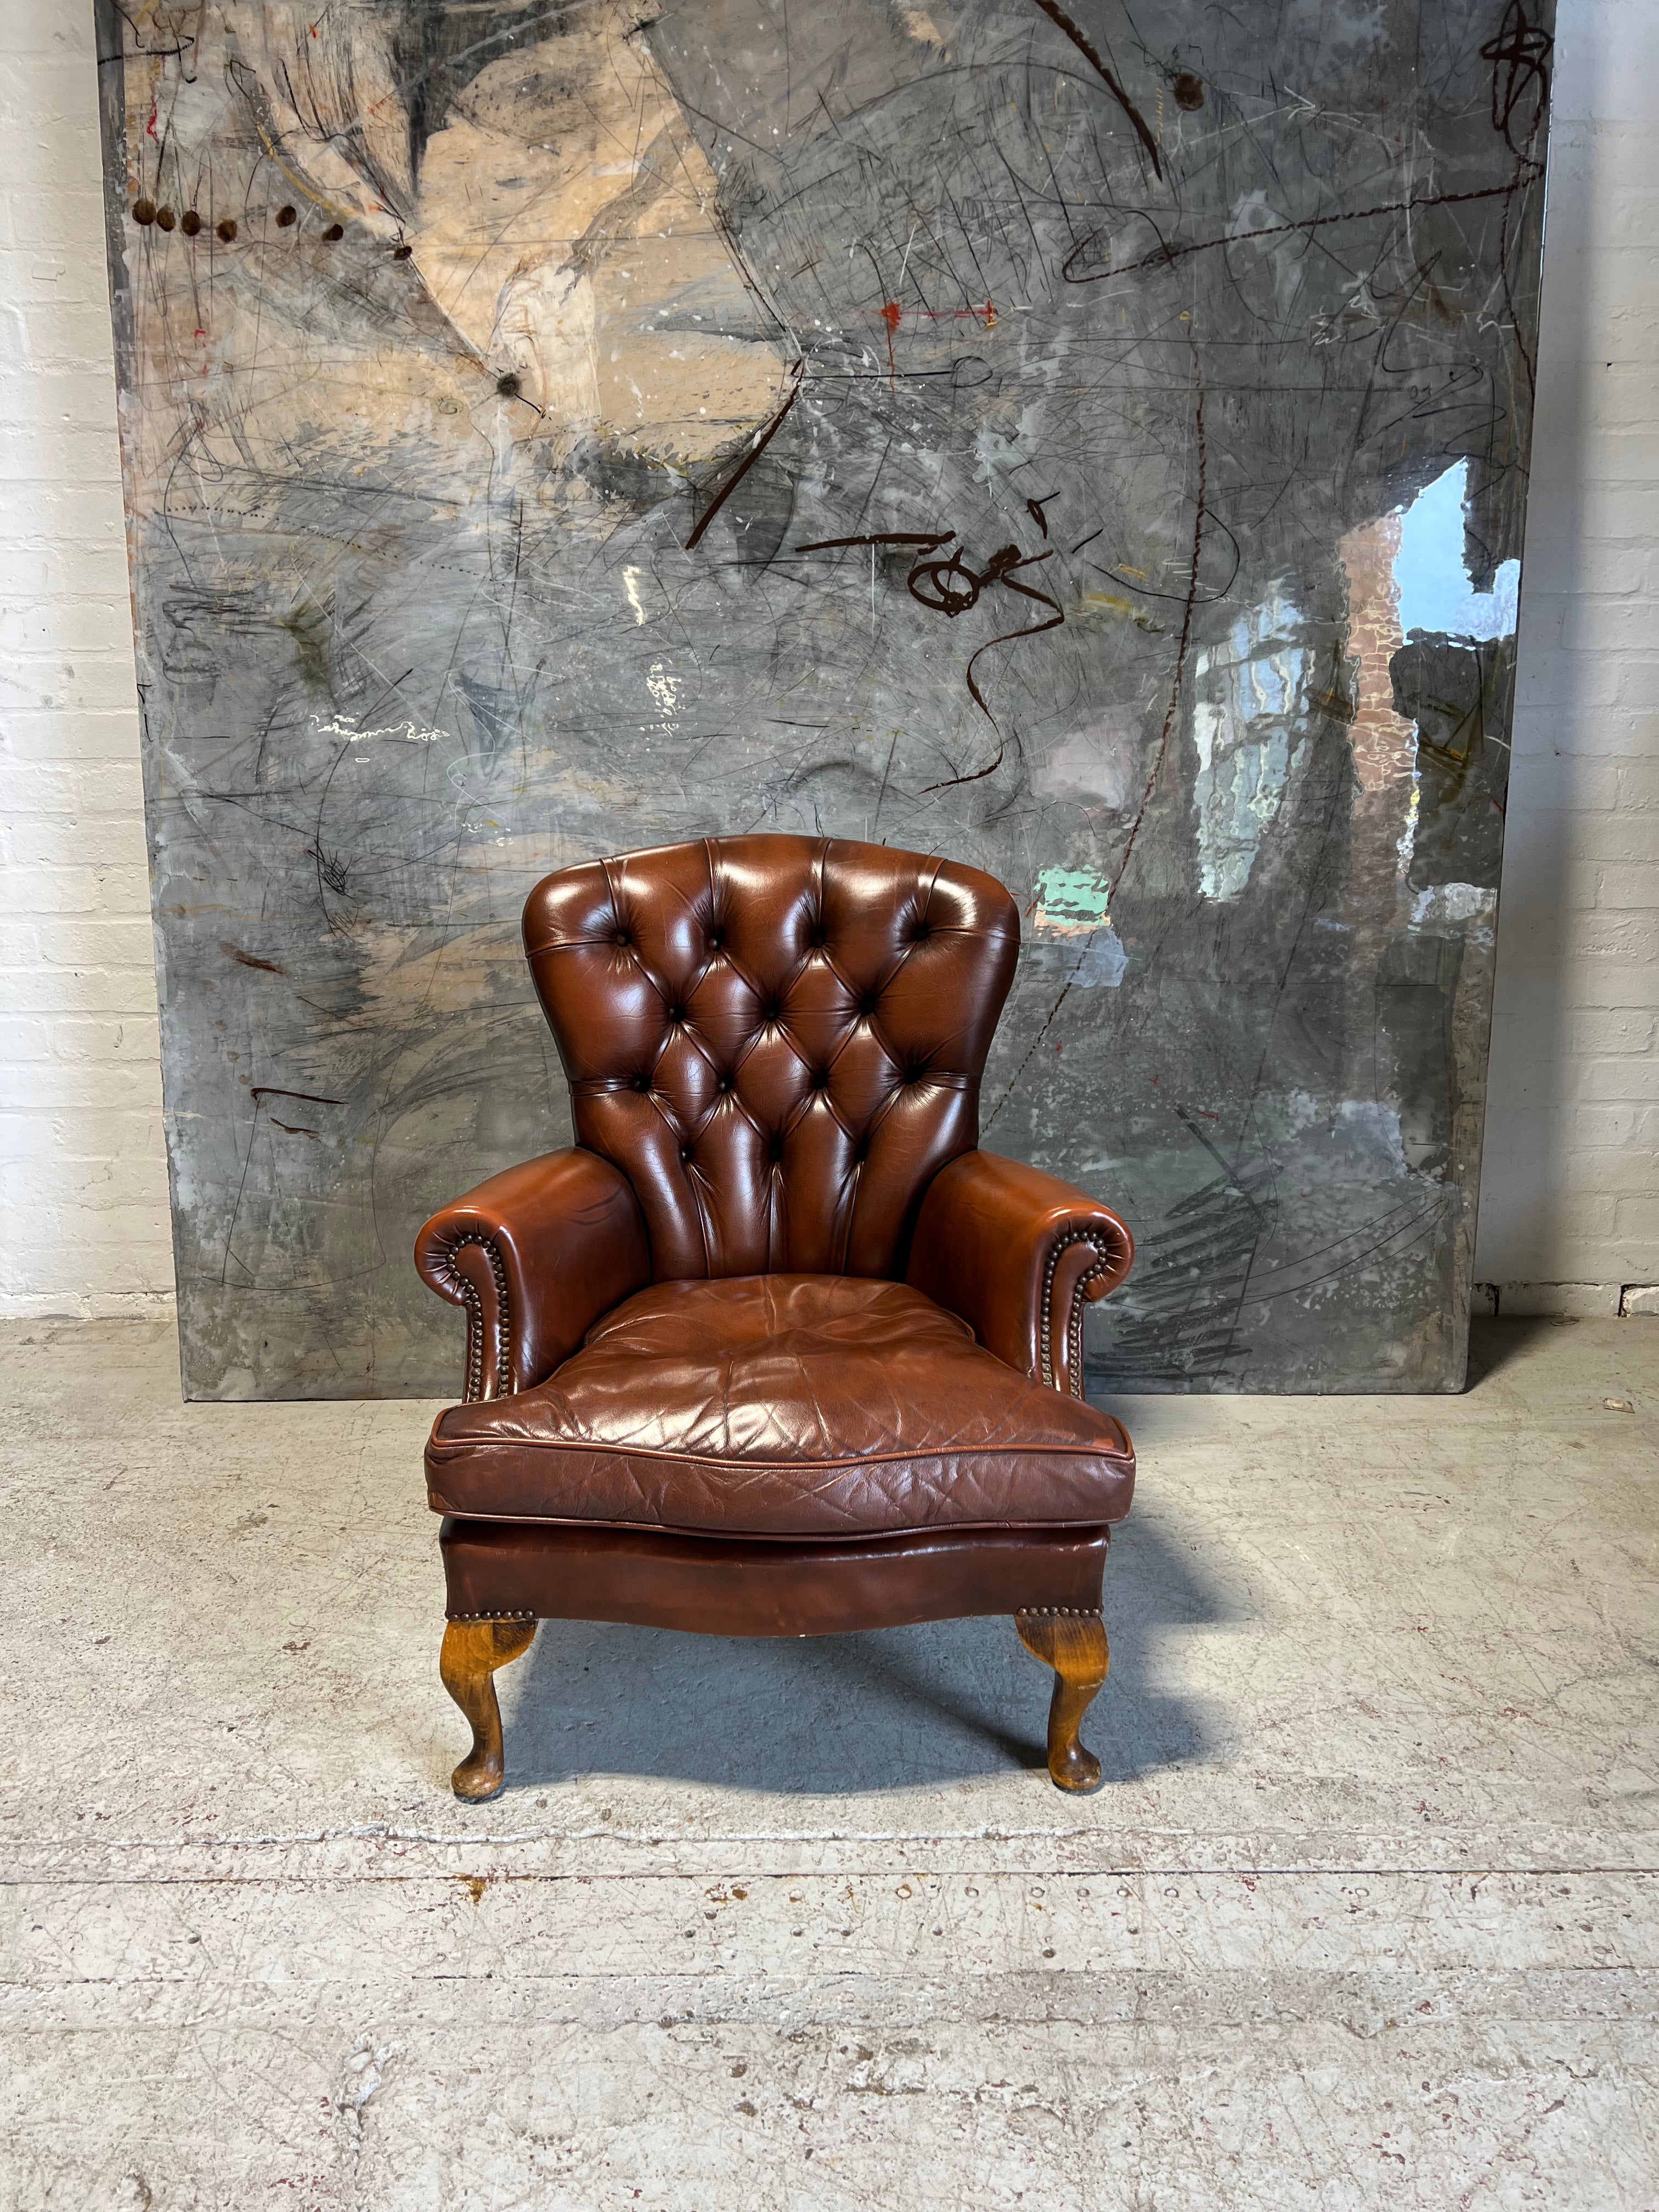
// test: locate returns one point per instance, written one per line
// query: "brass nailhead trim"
(1074, 1330)
(1070, 1611)
(468, 1297)
(1074, 1319)
(472, 1384)
(489, 1616)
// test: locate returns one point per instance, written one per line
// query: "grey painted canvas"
(1088, 440)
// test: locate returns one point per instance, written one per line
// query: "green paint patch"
(1070, 902)
(308, 626)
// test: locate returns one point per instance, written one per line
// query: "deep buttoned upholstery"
(777, 1040)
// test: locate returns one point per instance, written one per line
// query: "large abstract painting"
(1089, 441)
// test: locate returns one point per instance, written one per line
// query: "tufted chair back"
(777, 1040)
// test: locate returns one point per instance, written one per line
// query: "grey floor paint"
(1363, 1915)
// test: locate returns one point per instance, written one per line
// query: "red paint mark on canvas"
(893, 314)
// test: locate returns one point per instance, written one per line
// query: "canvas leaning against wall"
(1087, 442)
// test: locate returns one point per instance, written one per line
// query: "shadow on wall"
(902, 1708)
(1520, 1217)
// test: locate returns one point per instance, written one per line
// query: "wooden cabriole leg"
(472, 1651)
(1074, 1645)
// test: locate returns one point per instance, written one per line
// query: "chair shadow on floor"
(897, 1708)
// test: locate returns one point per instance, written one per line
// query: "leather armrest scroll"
(1018, 1254)
(535, 1256)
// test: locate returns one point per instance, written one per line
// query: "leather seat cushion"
(785, 1406)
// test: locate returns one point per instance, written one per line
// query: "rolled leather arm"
(535, 1256)
(1018, 1254)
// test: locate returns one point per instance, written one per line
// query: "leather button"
(685, 1151)
(724, 1083)
(820, 1080)
(642, 1083)
(676, 1013)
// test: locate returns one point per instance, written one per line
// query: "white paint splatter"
(345, 726)
(664, 688)
(1441, 906)
(1247, 729)
(1105, 963)
(362, 2080)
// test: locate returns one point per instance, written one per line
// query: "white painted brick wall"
(83, 1201)
(1571, 1193)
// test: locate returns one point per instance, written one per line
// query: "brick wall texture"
(1571, 1191)
(84, 1198)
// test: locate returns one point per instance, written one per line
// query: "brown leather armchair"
(774, 1350)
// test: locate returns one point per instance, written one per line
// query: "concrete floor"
(1364, 1915)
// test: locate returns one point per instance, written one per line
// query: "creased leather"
(567, 1231)
(731, 1587)
(1013, 1250)
(783, 1406)
(778, 1040)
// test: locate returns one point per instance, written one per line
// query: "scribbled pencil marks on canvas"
(1089, 441)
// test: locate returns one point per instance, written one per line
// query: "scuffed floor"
(1364, 1915)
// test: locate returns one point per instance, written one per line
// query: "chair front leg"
(1074, 1645)
(472, 1651)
